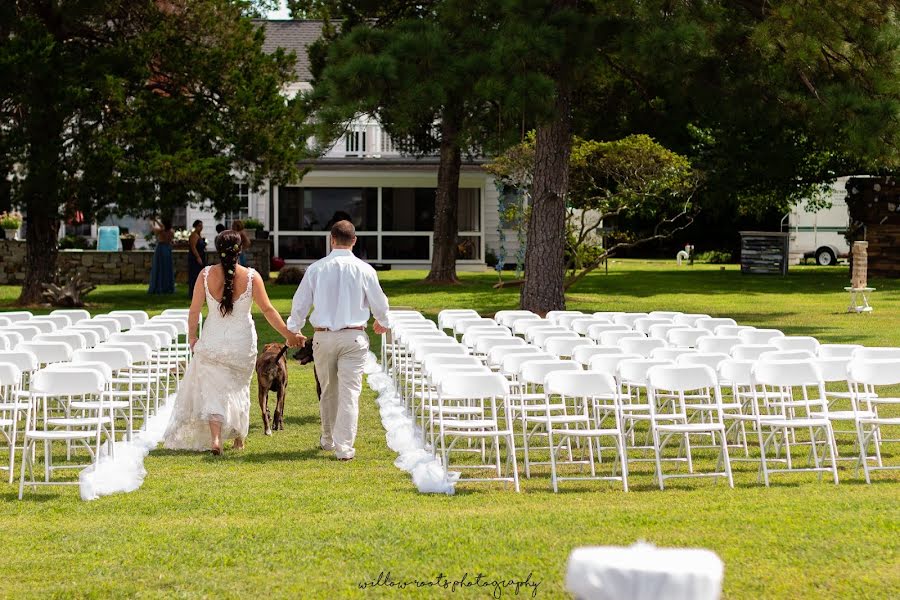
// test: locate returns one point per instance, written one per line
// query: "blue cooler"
(108, 239)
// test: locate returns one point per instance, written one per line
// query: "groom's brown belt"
(359, 328)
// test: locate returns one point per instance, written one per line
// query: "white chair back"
(751, 351)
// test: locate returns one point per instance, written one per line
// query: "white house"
(387, 195)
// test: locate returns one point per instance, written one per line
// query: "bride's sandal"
(238, 444)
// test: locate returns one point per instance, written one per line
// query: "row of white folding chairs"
(520, 349)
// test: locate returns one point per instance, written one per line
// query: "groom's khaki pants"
(339, 358)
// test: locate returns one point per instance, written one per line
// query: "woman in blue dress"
(162, 272)
(196, 255)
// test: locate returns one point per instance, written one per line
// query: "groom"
(340, 289)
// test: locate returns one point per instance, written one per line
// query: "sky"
(281, 13)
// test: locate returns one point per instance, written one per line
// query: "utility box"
(764, 252)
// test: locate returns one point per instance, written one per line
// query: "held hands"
(379, 328)
(294, 340)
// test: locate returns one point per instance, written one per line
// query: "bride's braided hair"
(229, 245)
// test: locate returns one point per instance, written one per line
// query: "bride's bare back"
(216, 282)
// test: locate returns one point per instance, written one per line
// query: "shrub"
(10, 220)
(252, 223)
(290, 276)
(490, 257)
(74, 242)
(714, 257)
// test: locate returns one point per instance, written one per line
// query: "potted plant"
(127, 240)
(181, 238)
(255, 228)
(10, 222)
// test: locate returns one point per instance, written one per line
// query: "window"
(301, 247)
(317, 209)
(242, 194)
(412, 209)
(179, 218)
(405, 247)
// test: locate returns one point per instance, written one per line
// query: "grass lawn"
(283, 519)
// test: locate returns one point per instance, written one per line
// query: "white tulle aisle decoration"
(125, 472)
(405, 438)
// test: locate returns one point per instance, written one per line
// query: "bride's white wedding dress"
(216, 385)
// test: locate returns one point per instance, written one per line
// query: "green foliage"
(634, 185)
(138, 108)
(75, 242)
(10, 220)
(252, 223)
(714, 257)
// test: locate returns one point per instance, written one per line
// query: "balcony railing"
(365, 139)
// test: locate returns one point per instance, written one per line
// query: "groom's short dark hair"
(343, 233)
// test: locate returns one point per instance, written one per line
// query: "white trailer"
(819, 234)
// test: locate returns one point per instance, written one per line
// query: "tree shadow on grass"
(29, 495)
(284, 455)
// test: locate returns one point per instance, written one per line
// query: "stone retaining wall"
(117, 267)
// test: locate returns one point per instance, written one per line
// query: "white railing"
(364, 138)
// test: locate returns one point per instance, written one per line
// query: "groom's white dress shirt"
(341, 289)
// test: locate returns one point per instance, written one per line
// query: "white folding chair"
(140, 377)
(681, 418)
(688, 319)
(529, 404)
(565, 347)
(125, 321)
(121, 390)
(780, 414)
(59, 321)
(751, 351)
(448, 317)
(628, 319)
(776, 355)
(607, 315)
(710, 359)
(49, 419)
(100, 331)
(586, 400)
(26, 331)
(584, 353)
(491, 393)
(542, 337)
(644, 324)
(75, 314)
(717, 343)
(138, 316)
(711, 324)
(540, 332)
(612, 338)
(866, 376)
(662, 331)
(732, 330)
(462, 325)
(16, 316)
(45, 324)
(10, 339)
(508, 317)
(759, 336)
(596, 330)
(521, 326)
(91, 337)
(581, 325)
(10, 409)
(483, 345)
(47, 352)
(496, 354)
(73, 338)
(876, 353)
(664, 314)
(669, 353)
(111, 325)
(837, 350)
(685, 337)
(554, 316)
(796, 342)
(642, 346)
(474, 333)
(567, 319)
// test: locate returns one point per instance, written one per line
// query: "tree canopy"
(133, 107)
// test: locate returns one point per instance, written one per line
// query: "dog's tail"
(281, 353)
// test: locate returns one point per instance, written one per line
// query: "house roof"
(292, 35)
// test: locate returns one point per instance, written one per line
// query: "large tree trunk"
(446, 206)
(545, 251)
(41, 196)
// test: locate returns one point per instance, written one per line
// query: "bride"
(213, 401)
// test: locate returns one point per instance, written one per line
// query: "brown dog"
(272, 376)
